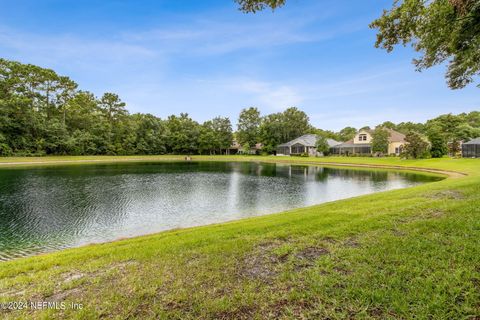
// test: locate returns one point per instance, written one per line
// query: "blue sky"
(207, 58)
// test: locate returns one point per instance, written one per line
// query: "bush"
(416, 146)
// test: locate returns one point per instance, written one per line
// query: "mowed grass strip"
(398, 254)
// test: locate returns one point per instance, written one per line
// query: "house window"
(362, 137)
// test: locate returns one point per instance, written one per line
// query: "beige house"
(362, 143)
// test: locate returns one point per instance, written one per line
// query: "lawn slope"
(398, 254)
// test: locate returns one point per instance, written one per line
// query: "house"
(362, 143)
(302, 145)
(471, 149)
(256, 149)
(236, 148)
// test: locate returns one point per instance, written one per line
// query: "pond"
(49, 208)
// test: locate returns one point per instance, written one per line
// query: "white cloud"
(52, 49)
(272, 96)
(217, 36)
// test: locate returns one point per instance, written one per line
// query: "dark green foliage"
(322, 145)
(447, 123)
(183, 134)
(271, 131)
(215, 135)
(406, 127)
(282, 127)
(416, 146)
(438, 143)
(248, 130)
(388, 125)
(296, 123)
(380, 140)
(346, 134)
(472, 118)
(44, 113)
(455, 128)
(326, 133)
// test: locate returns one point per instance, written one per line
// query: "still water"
(49, 208)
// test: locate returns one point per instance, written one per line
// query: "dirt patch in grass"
(352, 243)
(173, 305)
(311, 253)
(64, 294)
(341, 270)
(13, 293)
(377, 313)
(262, 263)
(118, 267)
(60, 294)
(306, 257)
(72, 276)
(285, 309)
(243, 312)
(447, 194)
(433, 214)
(476, 283)
(398, 233)
(329, 240)
(424, 215)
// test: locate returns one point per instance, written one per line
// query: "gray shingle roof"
(308, 140)
(474, 141)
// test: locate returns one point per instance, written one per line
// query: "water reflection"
(50, 208)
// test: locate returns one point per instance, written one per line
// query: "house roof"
(394, 136)
(308, 140)
(474, 141)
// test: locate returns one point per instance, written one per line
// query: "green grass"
(398, 254)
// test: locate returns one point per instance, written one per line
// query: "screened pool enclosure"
(471, 149)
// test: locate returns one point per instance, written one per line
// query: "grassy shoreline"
(395, 254)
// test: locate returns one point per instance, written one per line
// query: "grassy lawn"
(398, 254)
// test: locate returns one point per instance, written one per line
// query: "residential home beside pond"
(361, 144)
(305, 144)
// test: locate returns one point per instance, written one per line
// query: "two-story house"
(362, 143)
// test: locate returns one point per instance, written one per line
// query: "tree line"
(43, 113)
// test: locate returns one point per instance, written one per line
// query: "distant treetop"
(258, 5)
